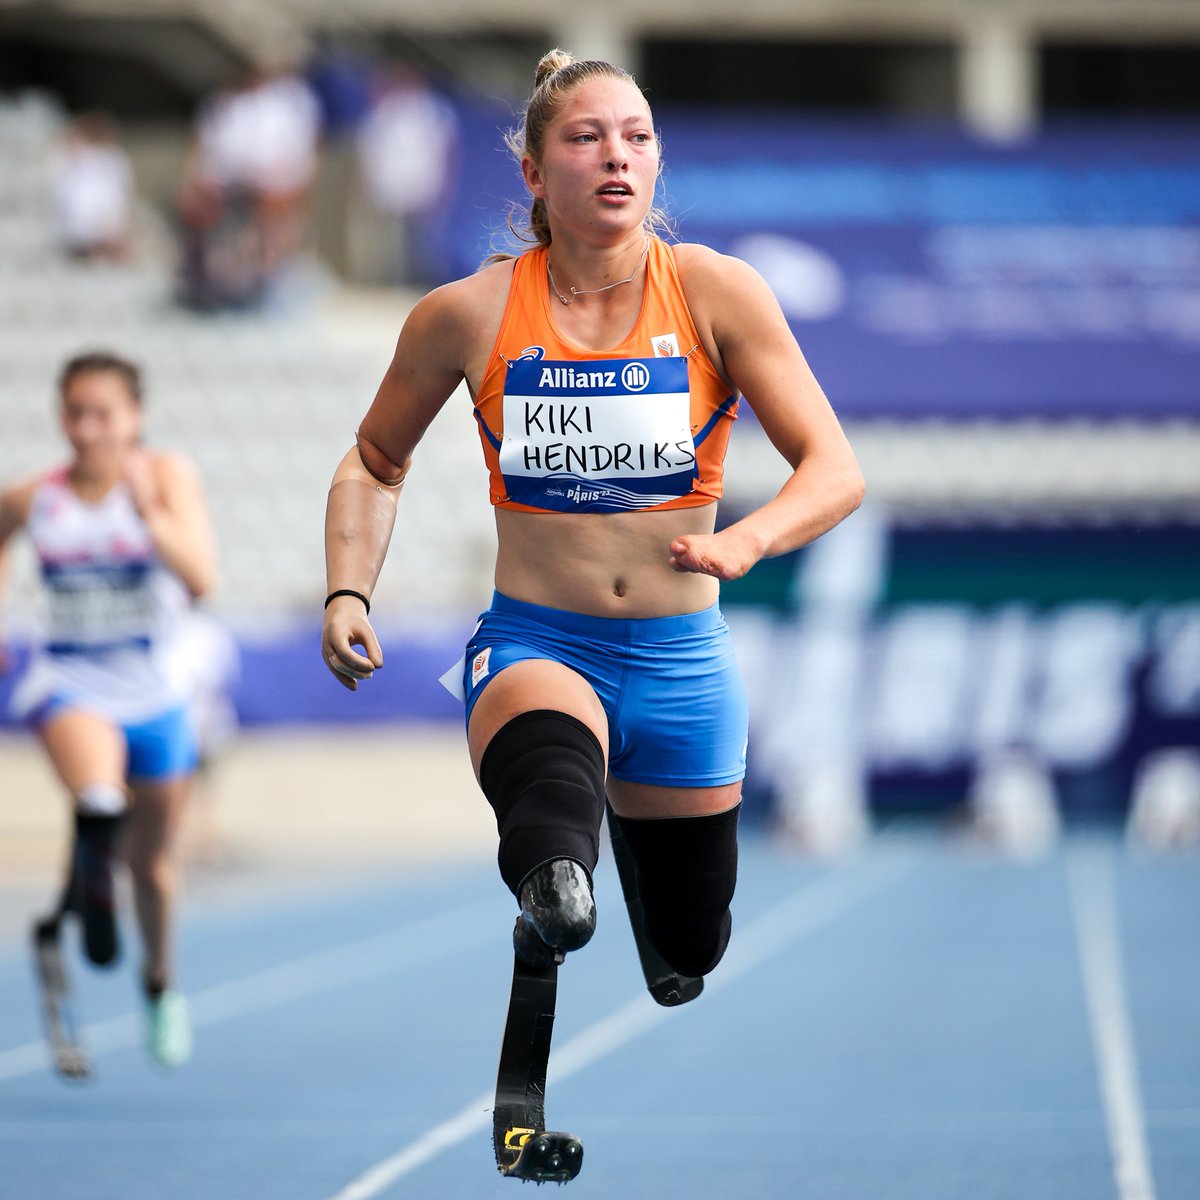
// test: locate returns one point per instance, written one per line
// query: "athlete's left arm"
(755, 350)
(169, 497)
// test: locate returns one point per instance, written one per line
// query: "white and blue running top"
(113, 608)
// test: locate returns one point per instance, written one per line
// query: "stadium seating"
(265, 403)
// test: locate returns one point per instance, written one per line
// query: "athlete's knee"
(151, 867)
(686, 875)
(99, 819)
(543, 774)
(101, 799)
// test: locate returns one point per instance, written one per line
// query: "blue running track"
(918, 1022)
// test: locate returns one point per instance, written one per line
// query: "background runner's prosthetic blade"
(666, 985)
(524, 1148)
(70, 1061)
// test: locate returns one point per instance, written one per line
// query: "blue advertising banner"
(908, 659)
(913, 659)
(925, 272)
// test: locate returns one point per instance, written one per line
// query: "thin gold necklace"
(592, 291)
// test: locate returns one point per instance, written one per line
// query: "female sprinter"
(123, 539)
(605, 367)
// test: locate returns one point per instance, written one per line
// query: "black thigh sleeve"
(543, 774)
(686, 874)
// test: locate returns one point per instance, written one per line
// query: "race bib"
(98, 606)
(606, 436)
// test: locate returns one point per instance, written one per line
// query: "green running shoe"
(168, 1028)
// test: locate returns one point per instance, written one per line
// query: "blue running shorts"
(159, 747)
(676, 706)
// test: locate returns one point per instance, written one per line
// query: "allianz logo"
(635, 377)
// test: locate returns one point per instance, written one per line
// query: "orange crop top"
(641, 426)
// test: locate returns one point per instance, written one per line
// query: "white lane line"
(1093, 903)
(815, 905)
(475, 1116)
(355, 962)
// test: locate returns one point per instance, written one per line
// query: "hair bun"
(551, 61)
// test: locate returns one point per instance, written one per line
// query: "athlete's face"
(599, 158)
(101, 417)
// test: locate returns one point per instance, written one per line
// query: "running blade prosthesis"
(70, 1061)
(525, 1148)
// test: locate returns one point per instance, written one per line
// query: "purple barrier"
(281, 681)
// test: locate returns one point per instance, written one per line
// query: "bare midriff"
(602, 564)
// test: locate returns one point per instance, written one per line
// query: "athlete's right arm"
(14, 511)
(428, 364)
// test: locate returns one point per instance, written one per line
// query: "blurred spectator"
(244, 203)
(92, 190)
(407, 149)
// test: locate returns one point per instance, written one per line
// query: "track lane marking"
(355, 962)
(815, 905)
(1094, 906)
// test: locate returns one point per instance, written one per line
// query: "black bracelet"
(349, 592)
